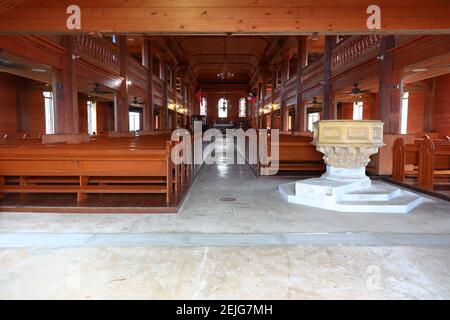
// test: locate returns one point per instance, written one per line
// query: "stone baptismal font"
(347, 146)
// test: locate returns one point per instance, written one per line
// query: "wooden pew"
(104, 165)
(101, 167)
(297, 153)
(427, 158)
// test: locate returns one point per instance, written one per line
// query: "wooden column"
(264, 94)
(257, 103)
(22, 107)
(185, 103)
(283, 111)
(175, 97)
(163, 112)
(147, 61)
(65, 95)
(302, 60)
(429, 111)
(121, 102)
(272, 96)
(389, 97)
(329, 104)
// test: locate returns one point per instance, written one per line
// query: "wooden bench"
(426, 159)
(297, 153)
(106, 166)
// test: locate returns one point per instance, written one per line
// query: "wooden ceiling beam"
(226, 16)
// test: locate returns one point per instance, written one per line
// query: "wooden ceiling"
(6, 5)
(206, 56)
(221, 16)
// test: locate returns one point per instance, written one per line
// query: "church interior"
(93, 205)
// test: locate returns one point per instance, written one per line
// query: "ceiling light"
(129, 82)
(315, 36)
(38, 70)
(419, 70)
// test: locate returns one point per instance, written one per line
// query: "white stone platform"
(350, 196)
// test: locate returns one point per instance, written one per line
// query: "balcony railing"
(312, 74)
(353, 51)
(137, 73)
(98, 51)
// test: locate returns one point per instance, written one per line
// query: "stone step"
(403, 203)
(376, 192)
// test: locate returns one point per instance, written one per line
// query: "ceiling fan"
(315, 102)
(136, 102)
(356, 90)
(98, 89)
(10, 64)
(314, 106)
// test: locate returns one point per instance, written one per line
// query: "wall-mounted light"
(129, 82)
(38, 70)
(75, 56)
(419, 70)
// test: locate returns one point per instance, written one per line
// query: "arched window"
(203, 106)
(242, 108)
(223, 107)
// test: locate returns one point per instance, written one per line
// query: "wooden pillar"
(302, 60)
(175, 97)
(185, 104)
(121, 102)
(65, 95)
(429, 112)
(22, 108)
(257, 103)
(329, 103)
(147, 61)
(264, 94)
(283, 111)
(272, 96)
(389, 98)
(163, 112)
